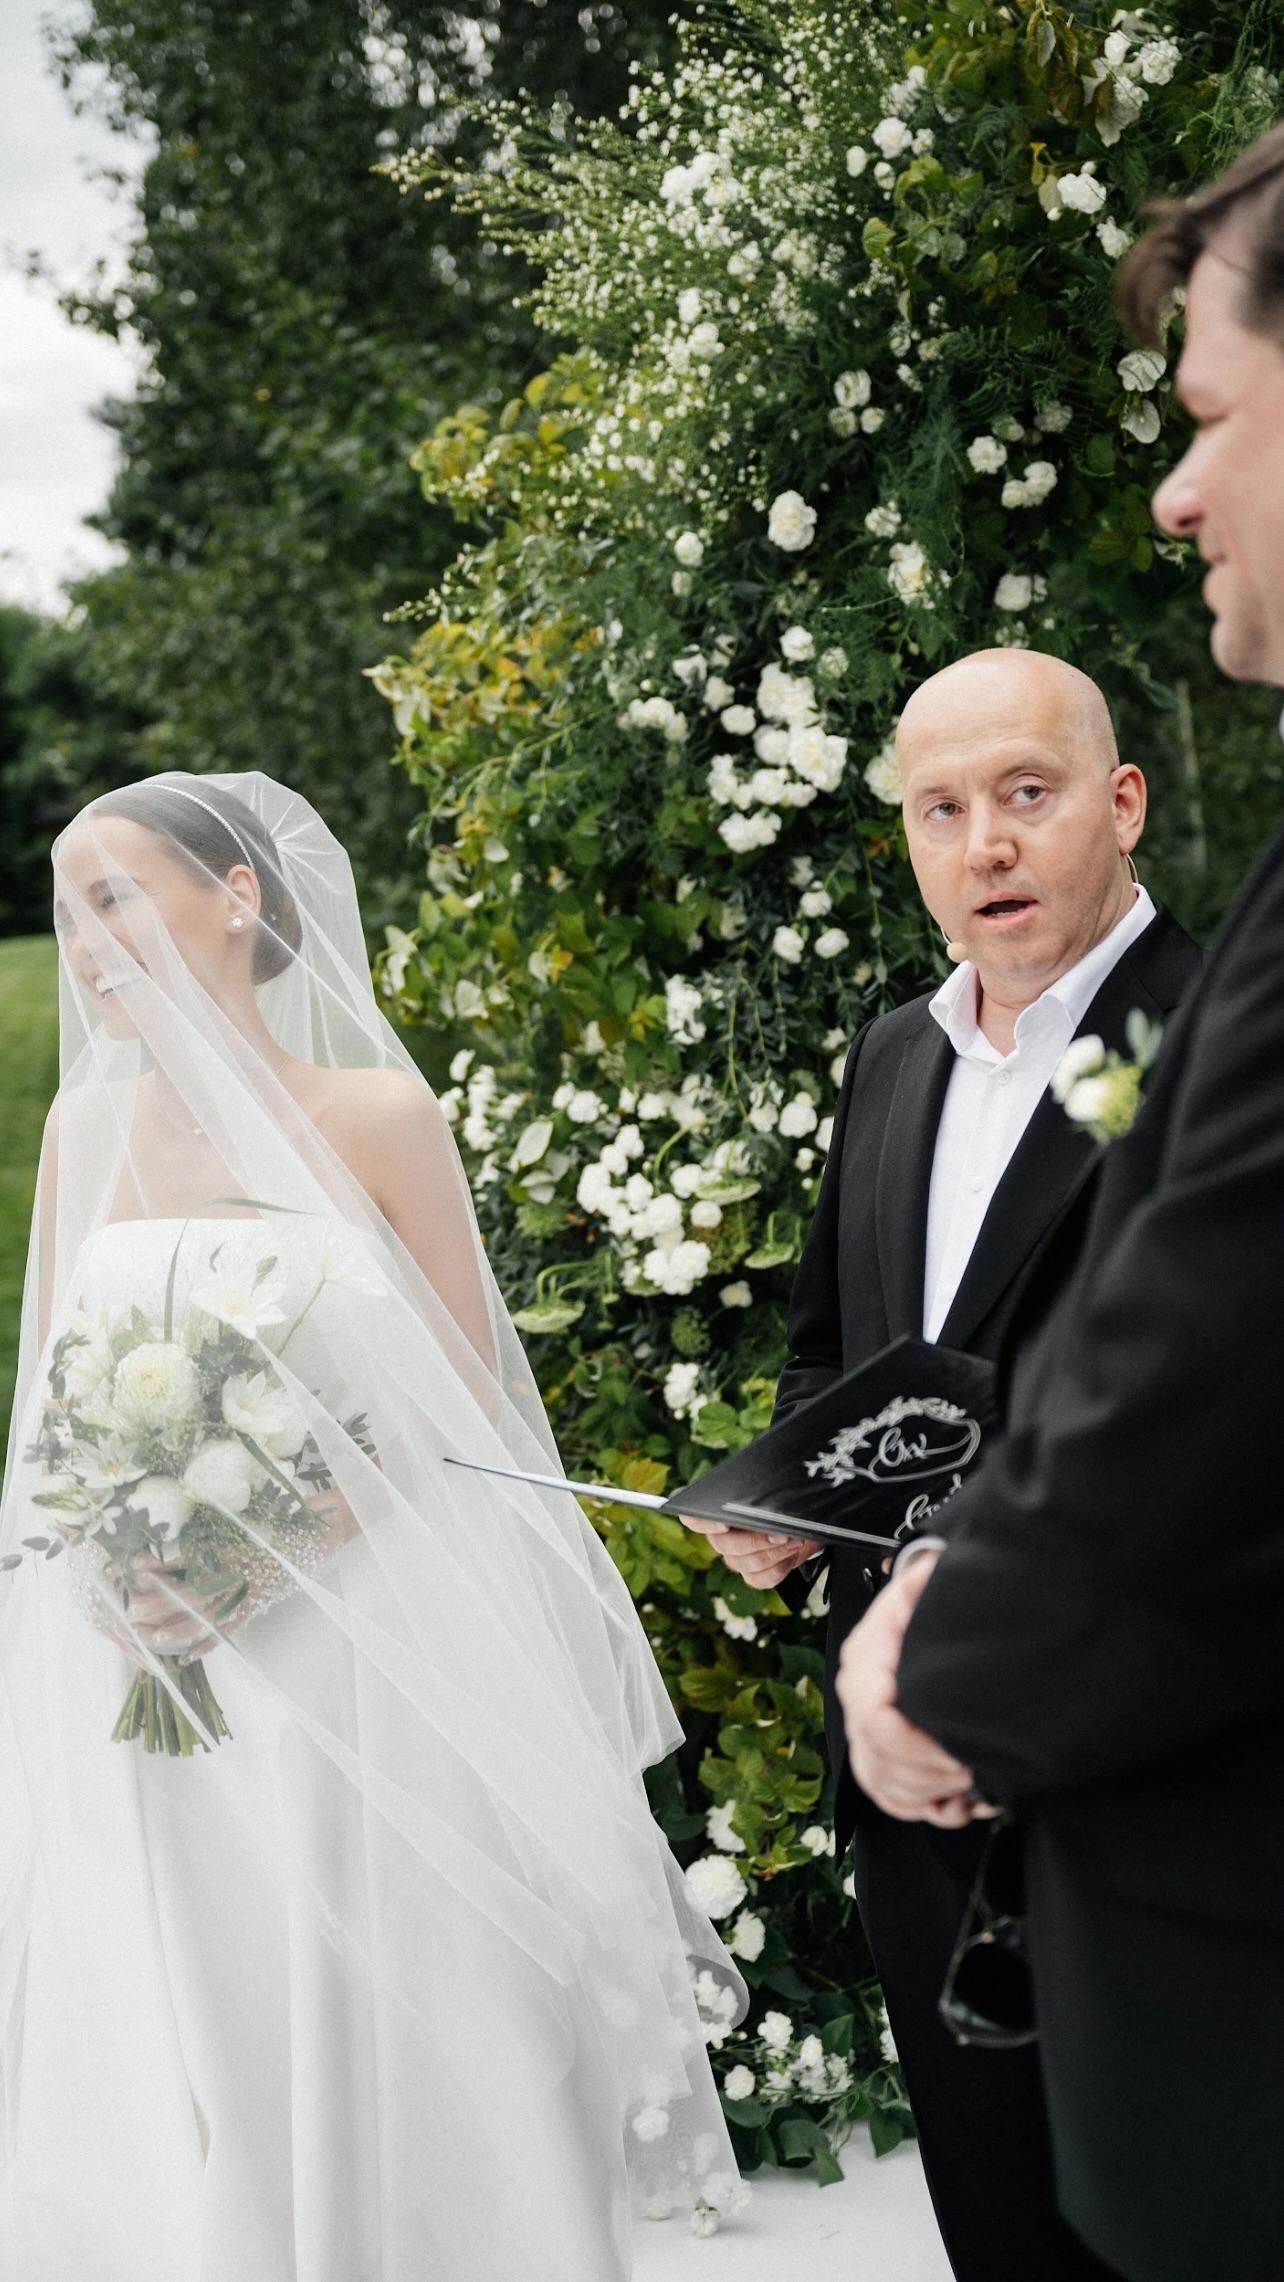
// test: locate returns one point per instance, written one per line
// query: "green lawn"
(28, 1082)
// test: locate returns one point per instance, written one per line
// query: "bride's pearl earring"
(238, 922)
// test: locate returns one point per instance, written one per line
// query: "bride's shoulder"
(389, 1129)
(374, 1107)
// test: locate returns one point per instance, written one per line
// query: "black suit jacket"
(1104, 1640)
(860, 1281)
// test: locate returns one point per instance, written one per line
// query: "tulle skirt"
(214, 2067)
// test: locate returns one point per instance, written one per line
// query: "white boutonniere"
(1101, 1091)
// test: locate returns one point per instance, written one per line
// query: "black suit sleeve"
(1113, 1589)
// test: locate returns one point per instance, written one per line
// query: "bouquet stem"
(151, 1717)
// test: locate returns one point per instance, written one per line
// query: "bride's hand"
(155, 1619)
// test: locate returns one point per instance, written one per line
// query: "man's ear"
(1129, 795)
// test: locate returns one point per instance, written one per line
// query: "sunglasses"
(988, 1998)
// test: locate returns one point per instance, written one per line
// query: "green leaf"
(532, 1144)
(888, 2127)
(775, 1255)
(716, 1426)
(549, 1315)
(748, 2113)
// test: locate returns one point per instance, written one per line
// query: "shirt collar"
(1065, 1002)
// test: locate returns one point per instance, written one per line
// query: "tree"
(841, 395)
(301, 328)
(62, 739)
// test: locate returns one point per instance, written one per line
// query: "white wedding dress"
(201, 2080)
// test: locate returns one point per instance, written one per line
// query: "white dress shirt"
(991, 1098)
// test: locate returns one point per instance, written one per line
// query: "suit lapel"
(1053, 1158)
(904, 1175)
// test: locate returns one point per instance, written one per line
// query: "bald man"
(952, 1200)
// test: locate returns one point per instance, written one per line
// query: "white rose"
(715, 1885)
(797, 645)
(739, 2083)
(1141, 369)
(164, 1502)
(706, 1214)
(815, 904)
(651, 2123)
(747, 1937)
(816, 1840)
(690, 304)
(892, 137)
(843, 422)
(909, 573)
(883, 775)
(1081, 1057)
(743, 833)
(1015, 591)
(1088, 1100)
(833, 662)
(818, 758)
(884, 520)
(769, 786)
(1082, 193)
(253, 1405)
(791, 523)
(987, 454)
(788, 945)
(1157, 61)
(90, 1362)
(689, 549)
(776, 2032)
(871, 419)
(682, 1004)
(852, 390)
(798, 1117)
(1054, 418)
(585, 1108)
(717, 693)
(221, 1475)
(681, 1384)
(157, 1384)
(831, 944)
(739, 721)
(1113, 241)
(736, 1295)
(857, 160)
(718, 1828)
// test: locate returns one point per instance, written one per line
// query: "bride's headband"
(211, 810)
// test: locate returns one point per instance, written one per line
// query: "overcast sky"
(55, 460)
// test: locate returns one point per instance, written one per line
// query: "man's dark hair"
(1251, 195)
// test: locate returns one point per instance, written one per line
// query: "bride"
(337, 1943)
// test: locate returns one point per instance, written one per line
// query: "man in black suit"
(954, 1184)
(1101, 1640)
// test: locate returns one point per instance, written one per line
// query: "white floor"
(876, 2222)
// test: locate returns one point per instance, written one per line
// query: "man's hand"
(904, 1771)
(761, 1556)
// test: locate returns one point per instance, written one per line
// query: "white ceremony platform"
(875, 2226)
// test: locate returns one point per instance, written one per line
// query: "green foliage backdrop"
(297, 332)
(839, 394)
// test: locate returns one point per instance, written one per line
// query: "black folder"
(868, 1461)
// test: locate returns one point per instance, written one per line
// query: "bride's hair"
(215, 831)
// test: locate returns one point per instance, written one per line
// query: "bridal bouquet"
(175, 1443)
